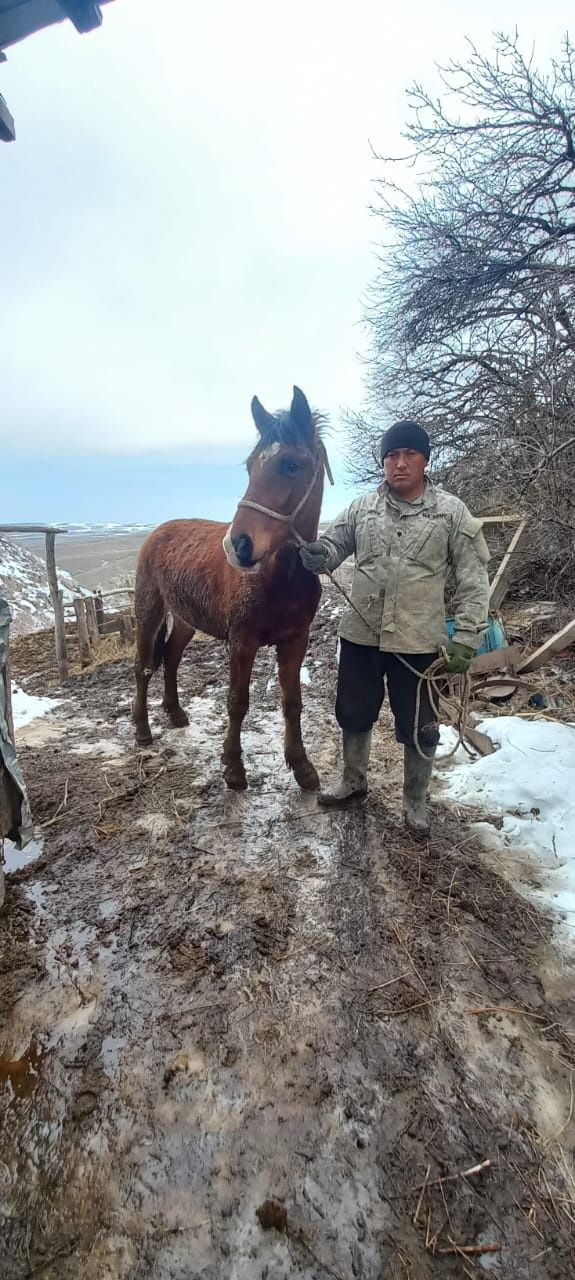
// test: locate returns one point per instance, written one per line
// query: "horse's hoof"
(306, 775)
(178, 717)
(144, 739)
(235, 777)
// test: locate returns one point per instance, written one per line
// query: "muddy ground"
(210, 1000)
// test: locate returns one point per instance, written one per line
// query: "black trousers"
(363, 673)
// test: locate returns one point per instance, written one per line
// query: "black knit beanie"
(405, 435)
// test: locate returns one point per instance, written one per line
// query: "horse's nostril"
(243, 547)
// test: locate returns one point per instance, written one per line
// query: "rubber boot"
(353, 785)
(416, 776)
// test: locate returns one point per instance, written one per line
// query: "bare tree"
(472, 310)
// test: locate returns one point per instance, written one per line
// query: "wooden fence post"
(57, 605)
(83, 637)
(93, 630)
(99, 607)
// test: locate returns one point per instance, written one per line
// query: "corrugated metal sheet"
(15, 816)
(20, 18)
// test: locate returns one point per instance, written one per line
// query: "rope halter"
(322, 465)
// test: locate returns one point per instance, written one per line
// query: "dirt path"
(208, 1001)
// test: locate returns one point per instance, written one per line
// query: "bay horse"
(244, 584)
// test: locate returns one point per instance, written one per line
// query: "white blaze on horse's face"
(268, 453)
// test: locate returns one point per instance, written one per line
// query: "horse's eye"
(289, 467)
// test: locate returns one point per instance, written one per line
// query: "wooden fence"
(92, 622)
(90, 619)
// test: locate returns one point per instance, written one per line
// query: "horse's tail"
(160, 645)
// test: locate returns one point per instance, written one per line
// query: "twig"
(449, 894)
(452, 1177)
(557, 1135)
(469, 1249)
(500, 1008)
(410, 958)
(422, 1004)
(421, 1195)
(61, 806)
(389, 983)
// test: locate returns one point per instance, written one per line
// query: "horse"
(244, 585)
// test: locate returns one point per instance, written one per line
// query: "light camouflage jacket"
(403, 554)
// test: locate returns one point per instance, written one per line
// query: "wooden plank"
(83, 636)
(99, 606)
(479, 741)
(32, 528)
(93, 629)
(506, 571)
(118, 591)
(495, 661)
(57, 605)
(560, 641)
(500, 519)
(127, 630)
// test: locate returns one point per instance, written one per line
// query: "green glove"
(459, 657)
(314, 556)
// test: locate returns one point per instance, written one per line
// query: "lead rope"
(459, 707)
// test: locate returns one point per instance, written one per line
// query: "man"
(406, 536)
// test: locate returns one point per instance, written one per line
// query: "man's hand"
(459, 657)
(314, 556)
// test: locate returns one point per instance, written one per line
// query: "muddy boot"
(416, 776)
(353, 785)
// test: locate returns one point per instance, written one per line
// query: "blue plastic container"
(493, 639)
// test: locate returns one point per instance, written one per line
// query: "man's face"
(405, 472)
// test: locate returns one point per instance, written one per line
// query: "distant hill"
(24, 584)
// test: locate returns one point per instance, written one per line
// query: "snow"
(24, 584)
(305, 676)
(528, 782)
(26, 707)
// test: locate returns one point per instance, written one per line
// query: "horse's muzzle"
(239, 551)
(244, 549)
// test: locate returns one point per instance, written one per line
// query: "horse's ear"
(301, 415)
(261, 417)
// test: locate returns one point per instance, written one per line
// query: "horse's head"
(285, 487)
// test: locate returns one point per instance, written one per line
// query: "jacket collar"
(429, 495)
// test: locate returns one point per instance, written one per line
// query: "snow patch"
(528, 783)
(26, 707)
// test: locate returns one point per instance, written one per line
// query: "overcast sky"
(184, 223)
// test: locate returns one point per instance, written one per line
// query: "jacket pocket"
(427, 547)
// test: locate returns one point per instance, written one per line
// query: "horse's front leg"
(291, 654)
(242, 654)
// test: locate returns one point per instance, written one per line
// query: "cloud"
(184, 212)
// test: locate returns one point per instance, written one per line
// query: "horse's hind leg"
(149, 618)
(180, 636)
(291, 654)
